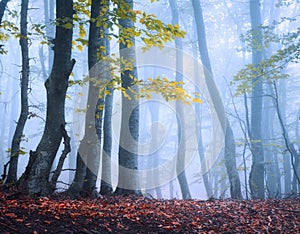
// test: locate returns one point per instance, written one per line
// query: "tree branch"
(63, 156)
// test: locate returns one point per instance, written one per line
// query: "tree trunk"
(94, 116)
(128, 182)
(293, 156)
(234, 179)
(295, 184)
(35, 179)
(153, 177)
(256, 179)
(230, 163)
(206, 176)
(88, 157)
(180, 162)
(271, 158)
(16, 141)
(49, 17)
(282, 99)
(3, 5)
(106, 186)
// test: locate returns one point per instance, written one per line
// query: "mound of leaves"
(117, 214)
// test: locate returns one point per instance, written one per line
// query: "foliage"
(151, 30)
(271, 68)
(168, 89)
(8, 28)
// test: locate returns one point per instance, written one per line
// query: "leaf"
(68, 25)
(80, 47)
(197, 100)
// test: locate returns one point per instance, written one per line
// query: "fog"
(159, 142)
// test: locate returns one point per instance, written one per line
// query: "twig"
(4, 175)
(284, 133)
(62, 158)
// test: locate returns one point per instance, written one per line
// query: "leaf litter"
(132, 214)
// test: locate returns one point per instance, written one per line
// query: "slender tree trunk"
(286, 162)
(106, 183)
(88, 157)
(295, 184)
(49, 17)
(154, 112)
(206, 176)
(35, 179)
(80, 173)
(128, 182)
(256, 179)
(235, 188)
(3, 5)
(293, 156)
(271, 167)
(179, 110)
(230, 163)
(17, 137)
(95, 110)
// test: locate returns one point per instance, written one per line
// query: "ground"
(117, 214)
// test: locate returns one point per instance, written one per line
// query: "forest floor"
(116, 214)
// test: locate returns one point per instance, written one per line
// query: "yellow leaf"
(100, 107)
(79, 47)
(126, 95)
(82, 32)
(68, 25)
(197, 100)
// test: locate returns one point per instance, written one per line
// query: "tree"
(269, 66)
(128, 148)
(88, 155)
(256, 179)
(3, 5)
(119, 15)
(17, 138)
(106, 186)
(230, 161)
(35, 179)
(181, 134)
(49, 17)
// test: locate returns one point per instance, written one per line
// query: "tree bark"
(49, 16)
(234, 179)
(256, 179)
(206, 176)
(180, 162)
(88, 157)
(230, 163)
(128, 182)
(106, 186)
(154, 159)
(3, 5)
(17, 137)
(35, 179)
(94, 115)
(273, 183)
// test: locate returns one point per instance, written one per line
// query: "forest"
(133, 105)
